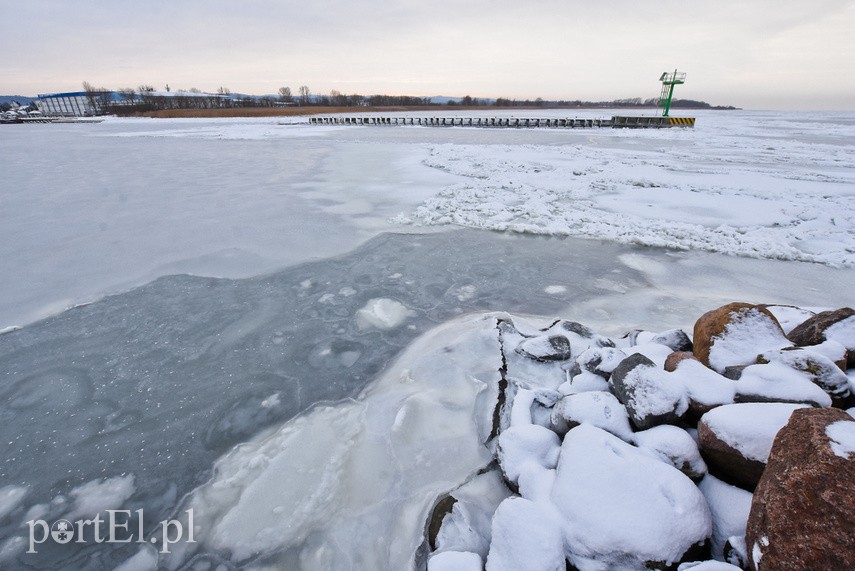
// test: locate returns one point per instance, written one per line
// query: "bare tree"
(128, 95)
(337, 98)
(91, 94)
(285, 94)
(224, 91)
(304, 94)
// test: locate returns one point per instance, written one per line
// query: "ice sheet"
(92, 209)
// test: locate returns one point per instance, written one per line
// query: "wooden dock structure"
(509, 122)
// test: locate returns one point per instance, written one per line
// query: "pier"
(615, 122)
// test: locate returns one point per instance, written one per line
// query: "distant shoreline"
(312, 110)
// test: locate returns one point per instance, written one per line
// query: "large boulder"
(814, 330)
(622, 509)
(735, 439)
(803, 511)
(734, 334)
(650, 397)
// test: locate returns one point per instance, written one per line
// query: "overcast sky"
(760, 54)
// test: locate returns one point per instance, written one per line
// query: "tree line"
(145, 98)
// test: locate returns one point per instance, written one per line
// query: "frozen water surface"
(260, 388)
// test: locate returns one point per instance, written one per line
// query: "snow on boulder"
(844, 333)
(525, 536)
(582, 383)
(622, 509)
(650, 397)
(674, 446)
(707, 566)
(581, 337)
(675, 339)
(736, 439)
(835, 352)
(776, 382)
(455, 561)
(818, 368)
(654, 351)
(524, 443)
(705, 388)
(546, 348)
(789, 316)
(735, 334)
(837, 325)
(600, 360)
(803, 511)
(602, 409)
(535, 482)
(729, 507)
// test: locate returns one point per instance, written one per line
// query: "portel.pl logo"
(114, 529)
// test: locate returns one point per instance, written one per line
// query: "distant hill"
(19, 98)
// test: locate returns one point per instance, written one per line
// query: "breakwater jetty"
(616, 122)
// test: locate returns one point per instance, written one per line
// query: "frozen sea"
(233, 315)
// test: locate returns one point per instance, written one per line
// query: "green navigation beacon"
(669, 80)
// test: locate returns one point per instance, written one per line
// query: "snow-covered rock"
(546, 348)
(818, 368)
(525, 536)
(736, 439)
(650, 397)
(707, 566)
(789, 316)
(677, 357)
(455, 561)
(581, 337)
(656, 352)
(674, 446)
(524, 443)
(729, 507)
(705, 388)
(803, 511)
(599, 408)
(622, 509)
(600, 360)
(735, 334)
(776, 382)
(837, 325)
(675, 339)
(584, 382)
